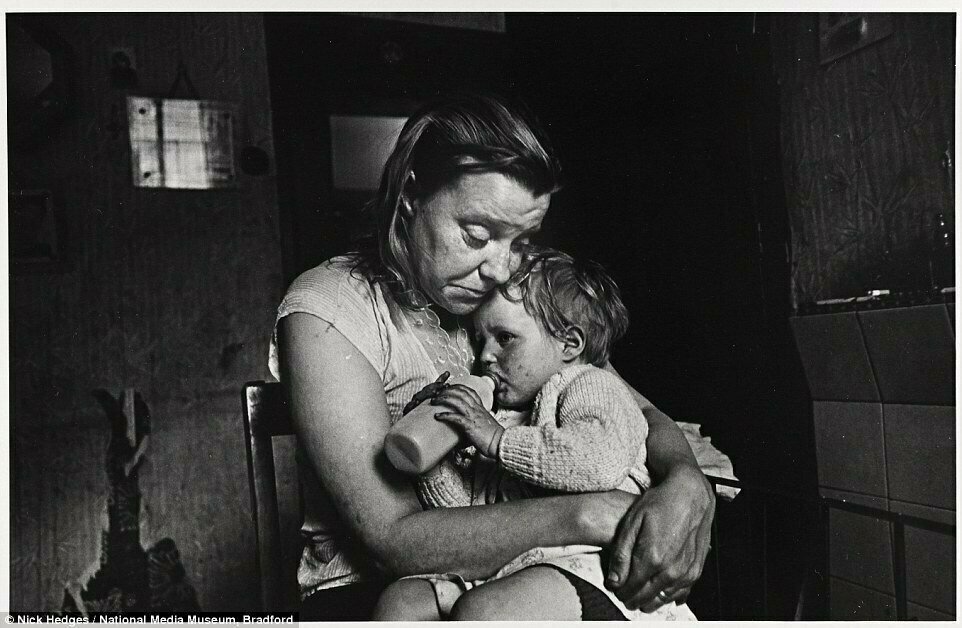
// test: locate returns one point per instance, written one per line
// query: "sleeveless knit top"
(406, 350)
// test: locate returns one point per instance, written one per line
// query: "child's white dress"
(585, 433)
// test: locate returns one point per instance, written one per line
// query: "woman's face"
(466, 237)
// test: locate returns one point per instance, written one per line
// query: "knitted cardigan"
(586, 433)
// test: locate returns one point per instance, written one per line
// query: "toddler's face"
(516, 349)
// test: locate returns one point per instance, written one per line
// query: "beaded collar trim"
(444, 351)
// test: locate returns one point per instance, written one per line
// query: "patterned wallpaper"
(170, 292)
(866, 141)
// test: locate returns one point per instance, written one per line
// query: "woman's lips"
(476, 293)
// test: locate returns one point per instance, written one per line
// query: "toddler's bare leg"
(407, 600)
(531, 594)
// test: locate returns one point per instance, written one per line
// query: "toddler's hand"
(427, 392)
(470, 417)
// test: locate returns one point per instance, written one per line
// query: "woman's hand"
(661, 543)
(470, 418)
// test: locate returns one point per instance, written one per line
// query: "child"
(544, 338)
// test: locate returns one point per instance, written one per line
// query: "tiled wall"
(882, 383)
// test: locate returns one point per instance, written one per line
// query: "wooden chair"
(266, 415)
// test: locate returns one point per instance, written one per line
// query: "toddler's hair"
(560, 291)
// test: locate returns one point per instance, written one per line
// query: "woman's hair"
(561, 292)
(449, 137)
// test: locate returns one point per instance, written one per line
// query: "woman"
(466, 186)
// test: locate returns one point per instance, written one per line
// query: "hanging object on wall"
(129, 578)
(123, 68)
(842, 33)
(39, 91)
(177, 143)
(255, 161)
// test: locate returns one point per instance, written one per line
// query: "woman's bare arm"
(340, 416)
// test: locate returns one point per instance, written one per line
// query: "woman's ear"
(574, 344)
(407, 206)
(409, 195)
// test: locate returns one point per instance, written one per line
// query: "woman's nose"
(497, 266)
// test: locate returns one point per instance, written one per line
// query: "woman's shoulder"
(336, 290)
(339, 293)
(333, 276)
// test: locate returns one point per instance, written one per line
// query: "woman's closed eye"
(476, 236)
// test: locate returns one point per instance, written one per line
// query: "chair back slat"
(266, 415)
(267, 407)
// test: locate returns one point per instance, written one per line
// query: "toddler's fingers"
(464, 393)
(434, 387)
(427, 392)
(453, 402)
(450, 417)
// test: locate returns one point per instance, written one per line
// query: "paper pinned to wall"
(181, 143)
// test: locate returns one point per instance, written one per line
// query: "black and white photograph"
(551, 314)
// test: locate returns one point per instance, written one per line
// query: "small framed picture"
(840, 34)
(36, 232)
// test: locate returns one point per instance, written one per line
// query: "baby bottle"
(418, 441)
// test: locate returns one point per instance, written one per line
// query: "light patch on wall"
(360, 145)
(181, 143)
